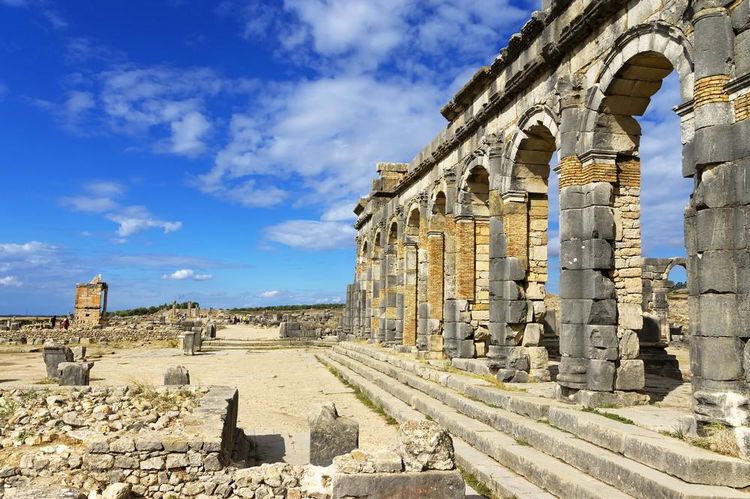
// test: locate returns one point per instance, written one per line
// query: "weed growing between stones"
(478, 486)
(521, 441)
(610, 415)
(714, 437)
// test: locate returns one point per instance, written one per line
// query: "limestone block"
(630, 315)
(465, 349)
(717, 358)
(464, 331)
(600, 375)
(79, 353)
(117, 491)
(601, 336)
(432, 484)
(532, 335)
(630, 375)
(518, 359)
(538, 358)
(387, 462)
(629, 344)
(540, 375)
(74, 373)
(188, 343)
(722, 315)
(573, 340)
(178, 375)
(424, 445)
(717, 272)
(54, 355)
(715, 50)
(330, 435)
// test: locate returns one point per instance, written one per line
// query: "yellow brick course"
(573, 173)
(710, 90)
(742, 107)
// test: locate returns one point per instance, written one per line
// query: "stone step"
(625, 474)
(669, 455)
(496, 477)
(544, 471)
(475, 388)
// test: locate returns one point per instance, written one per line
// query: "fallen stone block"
(432, 484)
(331, 435)
(54, 355)
(425, 445)
(178, 375)
(74, 373)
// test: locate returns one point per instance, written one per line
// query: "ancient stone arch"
(575, 80)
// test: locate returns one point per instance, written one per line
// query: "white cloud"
(311, 234)
(339, 213)
(188, 132)
(99, 197)
(329, 133)
(270, 294)
(9, 281)
(664, 191)
(136, 100)
(185, 274)
(89, 204)
(134, 219)
(361, 35)
(33, 252)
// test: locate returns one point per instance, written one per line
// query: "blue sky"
(213, 150)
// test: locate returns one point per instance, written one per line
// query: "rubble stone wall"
(156, 439)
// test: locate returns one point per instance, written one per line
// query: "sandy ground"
(278, 388)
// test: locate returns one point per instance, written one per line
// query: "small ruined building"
(452, 247)
(91, 302)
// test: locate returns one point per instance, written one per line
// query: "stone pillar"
(384, 296)
(716, 223)
(465, 258)
(449, 287)
(435, 281)
(410, 293)
(398, 290)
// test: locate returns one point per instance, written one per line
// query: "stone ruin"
(452, 247)
(91, 303)
(184, 442)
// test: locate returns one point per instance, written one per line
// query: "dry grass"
(714, 437)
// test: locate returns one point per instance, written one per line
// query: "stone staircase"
(219, 344)
(521, 445)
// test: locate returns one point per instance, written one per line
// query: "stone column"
(398, 291)
(435, 281)
(410, 293)
(716, 223)
(384, 296)
(465, 258)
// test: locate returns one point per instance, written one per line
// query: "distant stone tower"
(91, 302)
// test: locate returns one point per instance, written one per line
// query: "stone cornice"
(570, 35)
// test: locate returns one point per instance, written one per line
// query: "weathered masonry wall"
(573, 81)
(91, 302)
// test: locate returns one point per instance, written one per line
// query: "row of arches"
(462, 269)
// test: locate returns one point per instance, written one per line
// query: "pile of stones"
(33, 417)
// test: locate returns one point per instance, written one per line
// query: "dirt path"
(278, 388)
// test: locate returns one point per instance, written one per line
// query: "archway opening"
(477, 200)
(638, 140)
